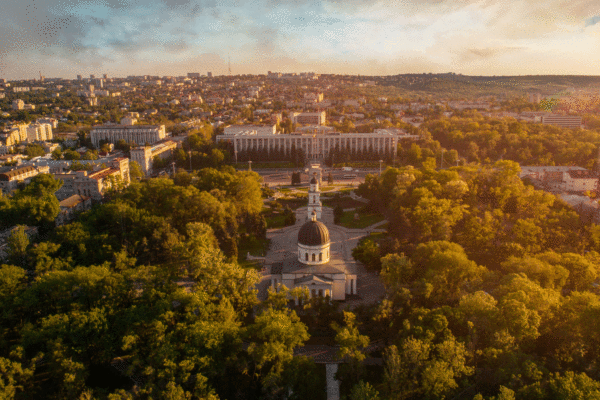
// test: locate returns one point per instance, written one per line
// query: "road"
(284, 176)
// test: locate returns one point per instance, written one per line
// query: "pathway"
(284, 241)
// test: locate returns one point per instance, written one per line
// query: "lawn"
(365, 219)
(327, 188)
(345, 202)
(256, 247)
(296, 202)
(275, 220)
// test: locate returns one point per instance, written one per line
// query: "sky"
(63, 38)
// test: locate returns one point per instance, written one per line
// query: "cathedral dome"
(313, 233)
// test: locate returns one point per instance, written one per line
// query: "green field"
(275, 220)
(365, 219)
(256, 247)
(344, 202)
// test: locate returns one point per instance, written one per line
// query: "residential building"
(248, 129)
(18, 104)
(562, 179)
(95, 184)
(10, 177)
(52, 121)
(144, 155)
(39, 132)
(313, 97)
(70, 207)
(309, 118)
(565, 121)
(138, 134)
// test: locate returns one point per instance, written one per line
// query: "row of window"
(314, 256)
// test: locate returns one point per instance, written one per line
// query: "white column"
(354, 286)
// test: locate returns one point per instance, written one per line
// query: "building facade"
(565, 121)
(309, 118)
(10, 177)
(138, 134)
(144, 155)
(39, 132)
(96, 184)
(316, 146)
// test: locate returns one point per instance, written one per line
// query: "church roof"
(313, 233)
(313, 278)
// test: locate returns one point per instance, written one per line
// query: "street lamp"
(380, 162)
(249, 165)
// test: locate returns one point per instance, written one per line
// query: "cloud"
(592, 21)
(350, 35)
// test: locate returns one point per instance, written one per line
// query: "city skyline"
(173, 37)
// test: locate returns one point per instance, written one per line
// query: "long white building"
(316, 143)
(138, 134)
(565, 121)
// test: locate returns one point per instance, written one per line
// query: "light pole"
(249, 165)
(190, 154)
(380, 162)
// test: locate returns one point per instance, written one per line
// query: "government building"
(138, 134)
(315, 141)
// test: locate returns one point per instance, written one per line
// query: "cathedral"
(315, 266)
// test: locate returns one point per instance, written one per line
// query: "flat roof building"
(565, 121)
(312, 118)
(138, 134)
(144, 155)
(316, 143)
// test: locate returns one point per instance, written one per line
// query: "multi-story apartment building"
(95, 184)
(39, 132)
(309, 118)
(258, 129)
(565, 121)
(138, 134)
(18, 104)
(71, 206)
(10, 177)
(144, 155)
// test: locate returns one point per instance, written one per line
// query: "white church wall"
(304, 250)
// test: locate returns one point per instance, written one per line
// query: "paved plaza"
(284, 244)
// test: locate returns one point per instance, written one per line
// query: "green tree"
(364, 391)
(351, 348)
(135, 171)
(18, 242)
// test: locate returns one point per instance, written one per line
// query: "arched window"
(313, 257)
(320, 256)
(306, 255)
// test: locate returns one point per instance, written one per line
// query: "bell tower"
(314, 198)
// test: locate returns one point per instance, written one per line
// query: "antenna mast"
(229, 57)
